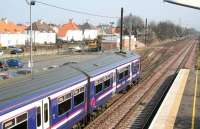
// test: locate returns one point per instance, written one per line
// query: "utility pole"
(145, 32)
(129, 41)
(31, 29)
(121, 29)
(111, 26)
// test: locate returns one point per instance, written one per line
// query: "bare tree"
(132, 24)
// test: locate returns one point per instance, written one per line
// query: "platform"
(181, 107)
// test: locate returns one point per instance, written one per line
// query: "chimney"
(70, 20)
(5, 20)
(41, 21)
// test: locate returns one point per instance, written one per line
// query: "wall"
(113, 42)
(75, 35)
(12, 39)
(43, 37)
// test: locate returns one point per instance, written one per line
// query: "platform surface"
(181, 106)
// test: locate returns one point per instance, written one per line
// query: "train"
(62, 97)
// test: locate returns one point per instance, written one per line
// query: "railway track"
(145, 111)
(116, 113)
(148, 64)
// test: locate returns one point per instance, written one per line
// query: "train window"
(61, 99)
(67, 96)
(19, 122)
(22, 125)
(21, 118)
(76, 91)
(64, 107)
(106, 83)
(9, 124)
(46, 112)
(121, 76)
(78, 99)
(98, 88)
(135, 67)
(38, 116)
(82, 89)
(126, 73)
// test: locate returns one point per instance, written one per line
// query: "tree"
(132, 24)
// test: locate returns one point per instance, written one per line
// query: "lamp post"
(111, 26)
(30, 64)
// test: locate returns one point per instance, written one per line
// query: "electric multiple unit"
(61, 97)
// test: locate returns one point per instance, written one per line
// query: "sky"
(154, 10)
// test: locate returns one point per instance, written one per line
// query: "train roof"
(41, 83)
(105, 63)
(12, 91)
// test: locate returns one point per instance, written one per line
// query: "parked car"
(1, 52)
(11, 47)
(14, 63)
(3, 66)
(16, 50)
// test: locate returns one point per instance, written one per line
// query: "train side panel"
(101, 89)
(69, 107)
(123, 77)
(135, 68)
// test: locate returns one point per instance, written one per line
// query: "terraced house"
(70, 32)
(42, 33)
(11, 34)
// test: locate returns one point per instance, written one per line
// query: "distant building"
(42, 33)
(104, 29)
(11, 34)
(70, 32)
(54, 27)
(112, 41)
(89, 31)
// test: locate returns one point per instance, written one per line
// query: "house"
(89, 31)
(11, 34)
(42, 33)
(54, 27)
(70, 32)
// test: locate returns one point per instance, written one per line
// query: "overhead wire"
(75, 11)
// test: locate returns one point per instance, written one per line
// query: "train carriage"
(50, 100)
(108, 75)
(63, 96)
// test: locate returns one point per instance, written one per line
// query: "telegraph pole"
(146, 32)
(121, 29)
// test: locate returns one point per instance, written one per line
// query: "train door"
(43, 118)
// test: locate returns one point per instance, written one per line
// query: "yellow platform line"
(194, 102)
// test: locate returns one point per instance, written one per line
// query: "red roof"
(9, 27)
(69, 26)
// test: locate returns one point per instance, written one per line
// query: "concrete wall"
(12, 39)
